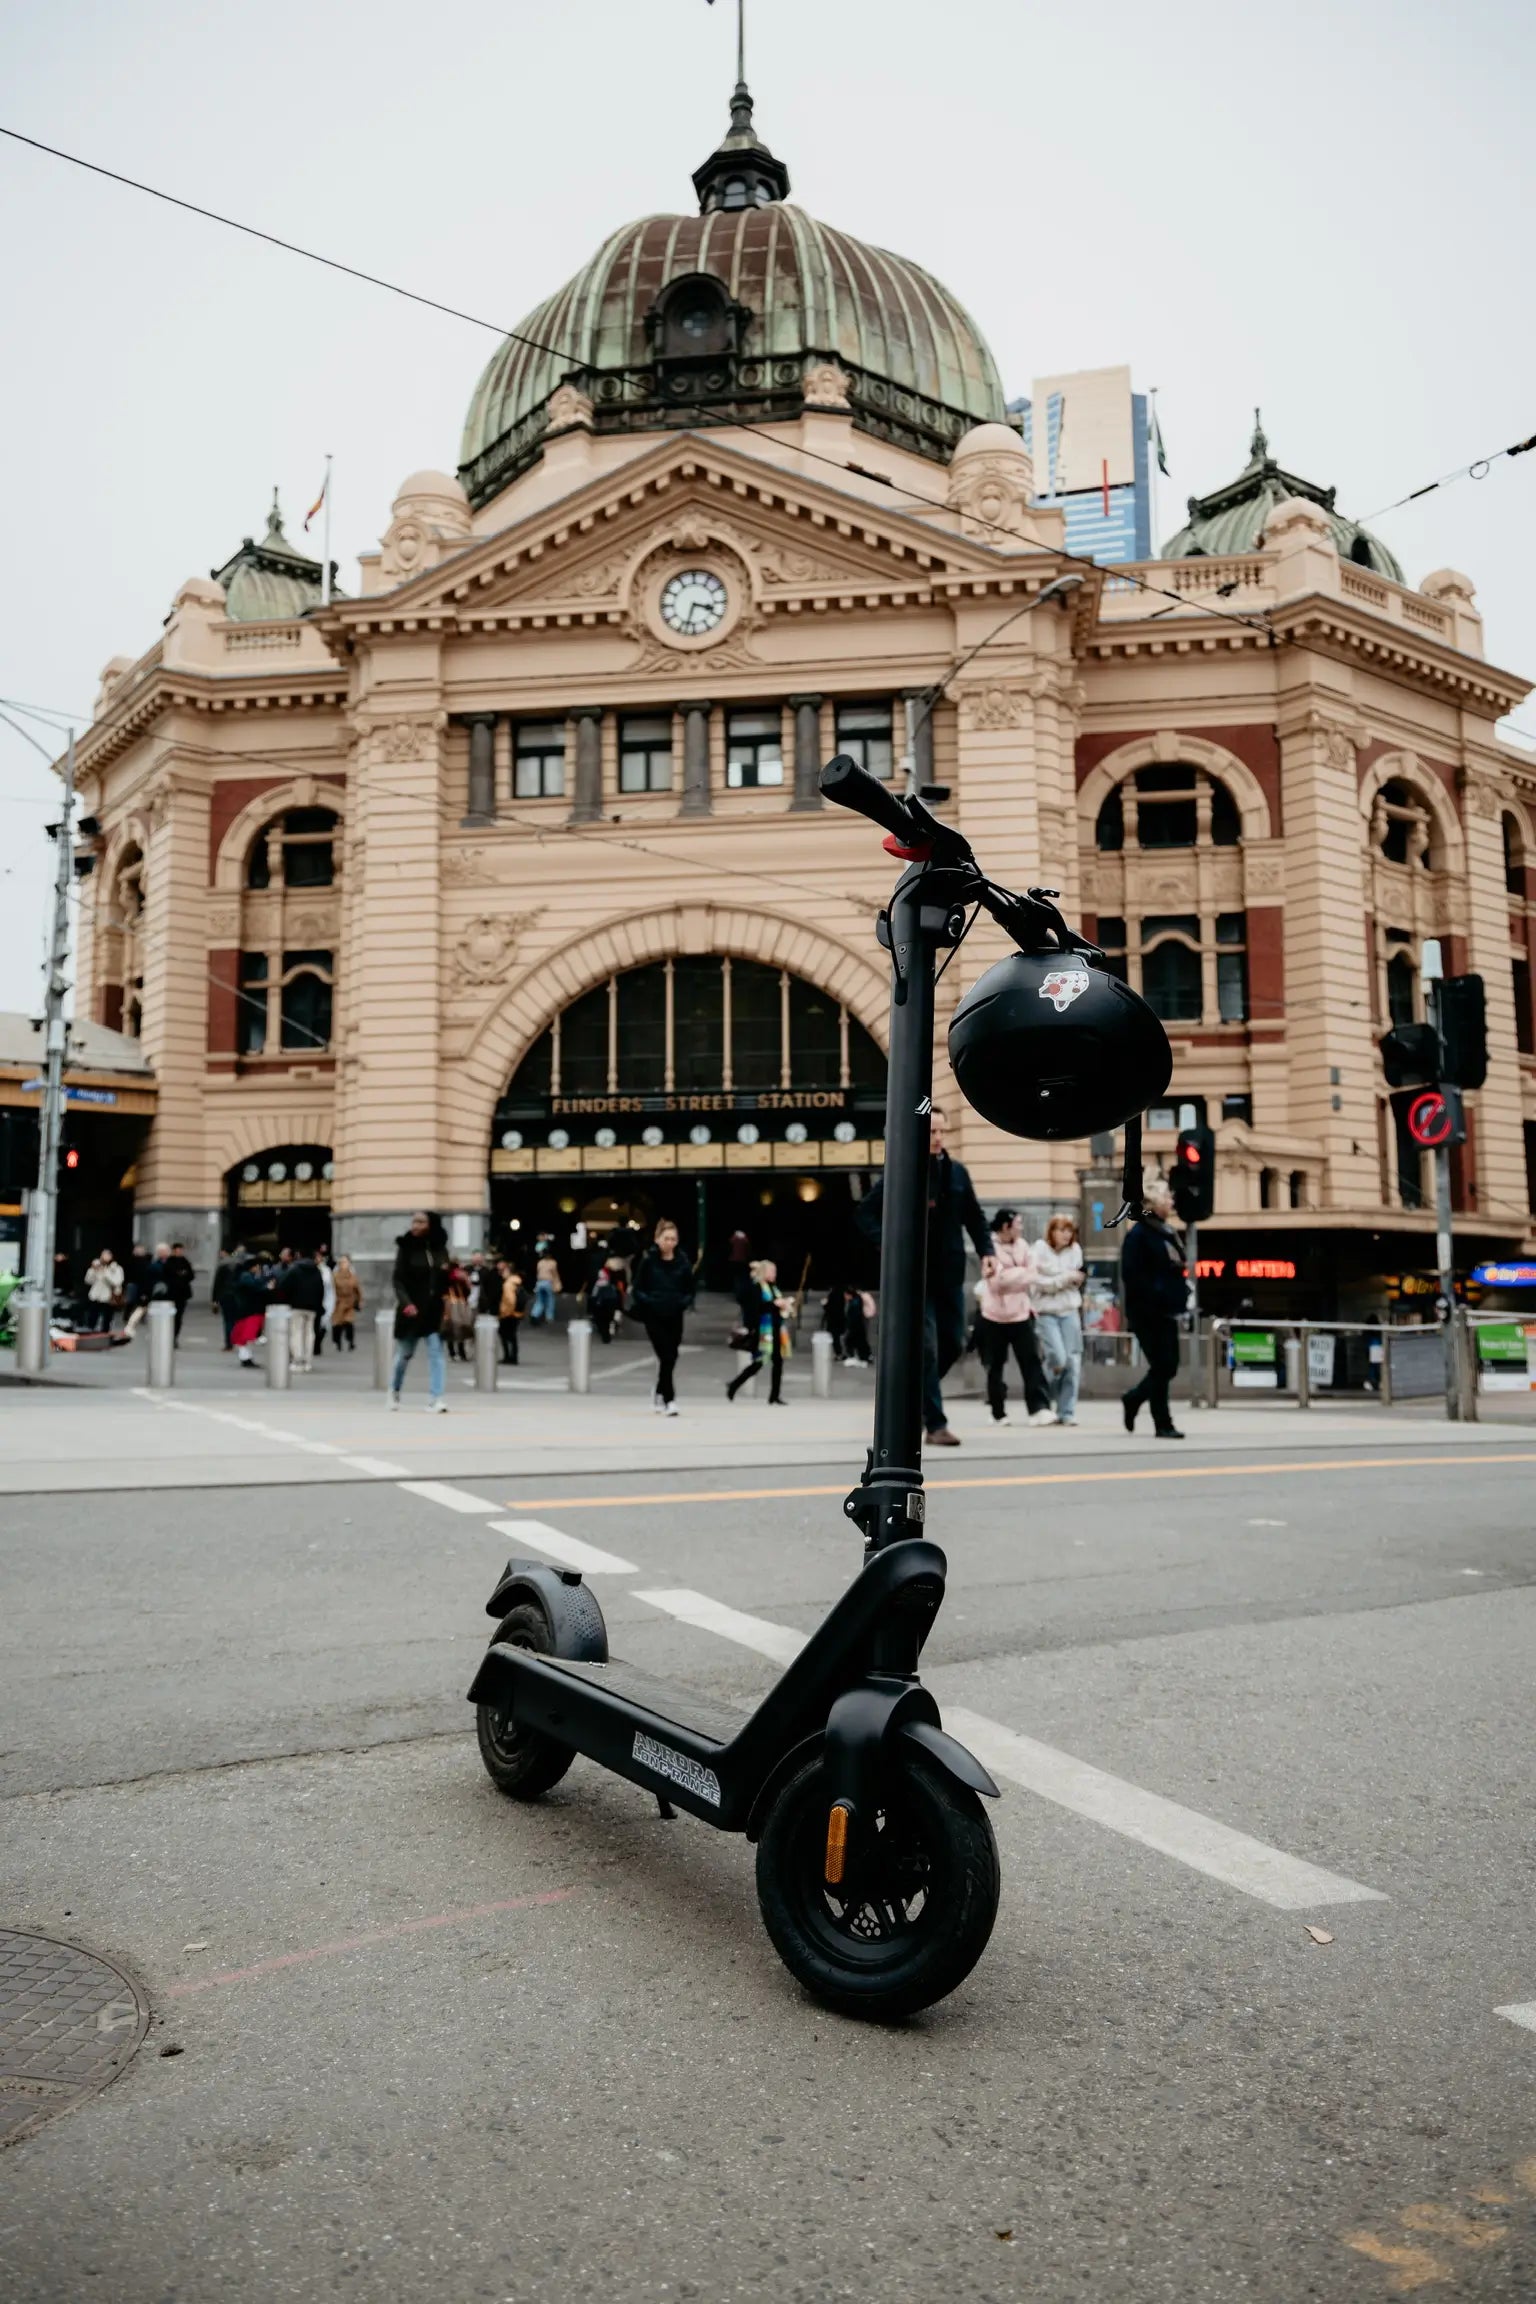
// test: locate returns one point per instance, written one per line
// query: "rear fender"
(575, 1620)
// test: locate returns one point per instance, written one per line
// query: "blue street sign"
(1504, 1275)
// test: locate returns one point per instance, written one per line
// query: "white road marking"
(1522, 2012)
(538, 1536)
(376, 1467)
(456, 1499)
(1201, 1842)
(1216, 1849)
(775, 1640)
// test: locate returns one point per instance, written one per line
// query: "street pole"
(1196, 1382)
(43, 1202)
(909, 757)
(1445, 1243)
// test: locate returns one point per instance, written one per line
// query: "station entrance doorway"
(738, 1099)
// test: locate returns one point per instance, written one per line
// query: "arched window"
(1403, 824)
(1269, 1187)
(1109, 832)
(298, 847)
(1170, 967)
(1402, 989)
(122, 954)
(1298, 1187)
(1514, 855)
(1166, 815)
(305, 1005)
(695, 318)
(1169, 799)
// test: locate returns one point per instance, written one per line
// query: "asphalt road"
(437, 2046)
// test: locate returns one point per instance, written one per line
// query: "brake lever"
(1034, 921)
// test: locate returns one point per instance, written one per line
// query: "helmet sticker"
(1064, 985)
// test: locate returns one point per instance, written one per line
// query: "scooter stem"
(892, 1499)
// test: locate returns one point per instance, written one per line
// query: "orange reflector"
(837, 1843)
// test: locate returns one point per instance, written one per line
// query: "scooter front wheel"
(915, 1919)
(522, 1762)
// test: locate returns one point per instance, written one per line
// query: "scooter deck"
(679, 1707)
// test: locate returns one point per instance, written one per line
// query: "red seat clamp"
(894, 847)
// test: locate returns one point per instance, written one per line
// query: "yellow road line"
(1029, 1480)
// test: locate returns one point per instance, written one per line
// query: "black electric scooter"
(877, 1870)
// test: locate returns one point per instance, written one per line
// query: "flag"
(1155, 435)
(319, 500)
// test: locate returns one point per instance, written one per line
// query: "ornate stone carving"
(991, 493)
(826, 385)
(487, 950)
(993, 707)
(1484, 798)
(596, 582)
(568, 407)
(1057, 834)
(1264, 875)
(223, 919)
(656, 655)
(782, 566)
(311, 927)
(468, 867)
(402, 740)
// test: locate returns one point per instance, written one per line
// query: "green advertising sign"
(1253, 1346)
(1501, 1344)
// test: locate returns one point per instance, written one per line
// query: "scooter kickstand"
(664, 1809)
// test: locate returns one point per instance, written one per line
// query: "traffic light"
(1463, 1016)
(1410, 1053)
(69, 1159)
(1432, 1117)
(1194, 1175)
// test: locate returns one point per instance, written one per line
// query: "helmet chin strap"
(1131, 1180)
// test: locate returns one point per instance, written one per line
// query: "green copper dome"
(739, 311)
(1233, 519)
(270, 581)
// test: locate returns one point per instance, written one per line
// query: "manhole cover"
(68, 2024)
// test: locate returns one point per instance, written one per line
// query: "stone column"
(482, 767)
(807, 712)
(587, 796)
(696, 793)
(922, 741)
(175, 1197)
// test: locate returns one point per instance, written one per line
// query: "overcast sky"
(1321, 208)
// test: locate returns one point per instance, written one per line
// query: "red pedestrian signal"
(71, 1155)
(1194, 1175)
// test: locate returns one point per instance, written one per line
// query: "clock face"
(694, 602)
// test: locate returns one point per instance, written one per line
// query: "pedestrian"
(328, 1299)
(180, 1280)
(1007, 1324)
(300, 1286)
(511, 1304)
(764, 1321)
(251, 1301)
(546, 1284)
(221, 1293)
(154, 1286)
(420, 1280)
(136, 1284)
(603, 1303)
(1156, 1293)
(103, 1289)
(346, 1306)
(458, 1314)
(663, 1291)
(953, 1213)
(846, 1316)
(1056, 1292)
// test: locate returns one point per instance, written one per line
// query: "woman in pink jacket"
(1007, 1323)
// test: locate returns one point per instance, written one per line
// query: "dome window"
(695, 319)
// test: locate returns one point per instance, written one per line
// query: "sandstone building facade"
(504, 886)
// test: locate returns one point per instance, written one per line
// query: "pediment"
(582, 557)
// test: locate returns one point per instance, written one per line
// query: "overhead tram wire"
(707, 418)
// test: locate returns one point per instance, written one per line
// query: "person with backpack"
(663, 1292)
(604, 1303)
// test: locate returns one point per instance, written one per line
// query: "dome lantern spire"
(741, 172)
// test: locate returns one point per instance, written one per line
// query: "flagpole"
(1154, 450)
(325, 565)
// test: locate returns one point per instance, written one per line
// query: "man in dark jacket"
(953, 1213)
(179, 1279)
(663, 1291)
(1156, 1293)
(421, 1283)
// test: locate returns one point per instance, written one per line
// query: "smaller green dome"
(269, 582)
(1233, 519)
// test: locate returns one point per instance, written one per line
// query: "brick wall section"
(223, 1002)
(229, 796)
(1266, 963)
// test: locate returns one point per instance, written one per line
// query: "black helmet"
(1047, 1044)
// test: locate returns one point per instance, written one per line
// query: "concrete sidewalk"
(60, 1440)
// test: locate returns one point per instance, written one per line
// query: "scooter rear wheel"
(917, 1921)
(522, 1762)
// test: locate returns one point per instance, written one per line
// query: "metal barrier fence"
(1308, 1358)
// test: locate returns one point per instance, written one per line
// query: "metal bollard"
(383, 1350)
(1303, 1367)
(487, 1350)
(821, 1364)
(31, 1334)
(160, 1329)
(580, 1334)
(278, 1323)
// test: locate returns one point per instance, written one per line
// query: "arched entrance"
(735, 1097)
(279, 1198)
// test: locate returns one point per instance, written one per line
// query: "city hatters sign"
(761, 1100)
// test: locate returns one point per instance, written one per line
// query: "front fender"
(577, 1629)
(952, 1756)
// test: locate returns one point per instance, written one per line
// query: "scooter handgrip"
(851, 786)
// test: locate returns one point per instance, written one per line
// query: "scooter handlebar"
(851, 786)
